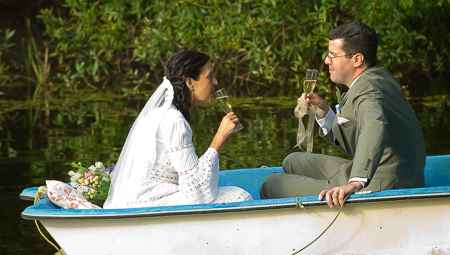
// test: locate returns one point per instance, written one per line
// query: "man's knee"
(263, 189)
(269, 186)
(290, 161)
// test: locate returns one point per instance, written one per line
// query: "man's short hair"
(358, 38)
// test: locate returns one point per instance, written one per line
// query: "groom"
(376, 126)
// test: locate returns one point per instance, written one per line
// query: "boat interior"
(437, 185)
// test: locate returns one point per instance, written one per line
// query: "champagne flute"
(310, 81)
(308, 87)
(225, 103)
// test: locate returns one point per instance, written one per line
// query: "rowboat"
(402, 221)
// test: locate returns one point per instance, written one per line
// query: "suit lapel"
(337, 133)
(344, 98)
(336, 128)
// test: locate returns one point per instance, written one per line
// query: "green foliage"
(413, 41)
(258, 47)
(5, 46)
(79, 168)
(435, 111)
(4, 41)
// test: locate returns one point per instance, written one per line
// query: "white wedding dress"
(158, 165)
(179, 177)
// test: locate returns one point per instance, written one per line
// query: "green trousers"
(305, 174)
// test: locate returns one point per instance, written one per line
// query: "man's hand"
(336, 195)
(317, 101)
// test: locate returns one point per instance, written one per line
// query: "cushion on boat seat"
(67, 197)
(437, 171)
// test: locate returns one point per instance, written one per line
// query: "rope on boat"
(300, 205)
(42, 191)
(340, 209)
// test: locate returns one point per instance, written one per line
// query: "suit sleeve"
(372, 136)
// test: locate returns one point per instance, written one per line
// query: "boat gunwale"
(35, 212)
(436, 186)
(26, 197)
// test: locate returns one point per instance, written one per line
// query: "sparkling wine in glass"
(310, 81)
(225, 103)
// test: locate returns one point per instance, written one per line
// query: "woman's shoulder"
(175, 127)
(173, 117)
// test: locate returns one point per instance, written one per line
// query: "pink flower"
(88, 175)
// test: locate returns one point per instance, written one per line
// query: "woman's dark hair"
(358, 38)
(183, 65)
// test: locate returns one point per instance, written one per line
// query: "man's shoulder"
(377, 77)
(376, 72)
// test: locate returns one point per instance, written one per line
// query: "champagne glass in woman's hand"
(310, 81)
(225, 103)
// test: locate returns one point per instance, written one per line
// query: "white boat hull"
(402, 221)
(390, 227)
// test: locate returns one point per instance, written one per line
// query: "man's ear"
(358, 59)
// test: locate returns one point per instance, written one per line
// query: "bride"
(158, 165)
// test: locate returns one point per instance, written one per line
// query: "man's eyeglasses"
(331, 58)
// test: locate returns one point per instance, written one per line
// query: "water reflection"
(34, 149)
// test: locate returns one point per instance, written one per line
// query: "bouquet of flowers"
(93, 182)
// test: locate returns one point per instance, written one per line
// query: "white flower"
(99, 165)
(83, 188)
(92, 168)
(71, 173)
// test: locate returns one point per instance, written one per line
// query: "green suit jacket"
(378, 127)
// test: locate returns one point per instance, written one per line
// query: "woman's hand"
(225, 130)
(228, 124)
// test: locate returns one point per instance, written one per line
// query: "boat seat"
(437, 173)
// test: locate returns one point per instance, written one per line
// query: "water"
(35, 149)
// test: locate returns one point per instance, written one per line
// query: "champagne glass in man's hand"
(310, 81)
(225, 103)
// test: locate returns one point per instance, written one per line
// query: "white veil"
(139, 152)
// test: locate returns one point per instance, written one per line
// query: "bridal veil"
(139, 151)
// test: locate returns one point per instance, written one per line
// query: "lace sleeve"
(199, 182)
(198, 177)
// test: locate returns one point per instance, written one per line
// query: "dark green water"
(35, 148)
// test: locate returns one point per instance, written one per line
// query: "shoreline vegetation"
(60, 58)
(55, 48)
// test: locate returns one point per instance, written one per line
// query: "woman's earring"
(192, 90)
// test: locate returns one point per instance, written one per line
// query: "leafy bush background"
(259, 48)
